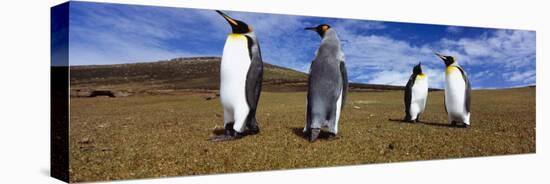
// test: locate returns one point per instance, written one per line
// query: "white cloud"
(108, 35)
(525, 77)
(390, 61)
(141, 35)
(110, 49)
(482, 75)
(511, 48)
(385, 60)
(390, 77)
(436, 77)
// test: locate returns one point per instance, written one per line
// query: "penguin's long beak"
(229, 19)
(440, 56)
(310, 28)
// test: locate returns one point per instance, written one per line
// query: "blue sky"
(376, 52)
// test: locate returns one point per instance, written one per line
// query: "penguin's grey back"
(325, 81)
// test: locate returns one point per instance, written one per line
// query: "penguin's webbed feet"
(314, 134)
(453, 123)
(253, 129)
(409, 119)
(332, 136)
(228, 134)
(229, 129)
(463, 125)
(459, 124)
(220, 138)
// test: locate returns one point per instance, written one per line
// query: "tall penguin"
(457, 92)
(328, 85)
(416, 94)
(241, 75)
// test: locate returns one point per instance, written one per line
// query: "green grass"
(154, 136)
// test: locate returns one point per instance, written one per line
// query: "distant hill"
(197, 73)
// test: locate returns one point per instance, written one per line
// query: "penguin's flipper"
(344, 73)
(332, 136)
(408, 96)
(445, 102)
(254, 79)
(308, 99)
(468, 89)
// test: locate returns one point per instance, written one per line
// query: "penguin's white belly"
(233, 71)
(419, 96)
(455, 92)
(338, 110)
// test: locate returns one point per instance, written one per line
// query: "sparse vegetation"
(163, 127)
(166, 135)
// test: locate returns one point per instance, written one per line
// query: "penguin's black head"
(417, 69)
(449, 60)
(237, 26)
(320, 29)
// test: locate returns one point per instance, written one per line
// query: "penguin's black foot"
(314, 134)
(228, 134)
(254, 130)
(333, 136)
(229, 129)
(463, 125)
(459, 124)
(238, 135)
(453, 123)
(221, 138)
(306, 133)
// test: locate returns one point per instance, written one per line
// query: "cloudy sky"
(376, 52)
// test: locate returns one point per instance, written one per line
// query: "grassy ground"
(154, 136)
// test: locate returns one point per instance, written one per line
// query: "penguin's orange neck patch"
(420, 76)
(235, 36)
(450, 69)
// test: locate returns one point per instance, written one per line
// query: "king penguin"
(457, 92)
(241, 74)
(416, 94)
(327, 85)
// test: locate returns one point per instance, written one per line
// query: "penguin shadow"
(424, 123)
(221, 131)
(323, 135)
(218, 131)
(219, 136)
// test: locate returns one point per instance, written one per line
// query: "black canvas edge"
(59, 89)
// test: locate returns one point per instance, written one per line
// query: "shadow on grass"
(324, 135)
(218, 131)
(439, 124)
(221, 131)
(425, 123)
(400, 120)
